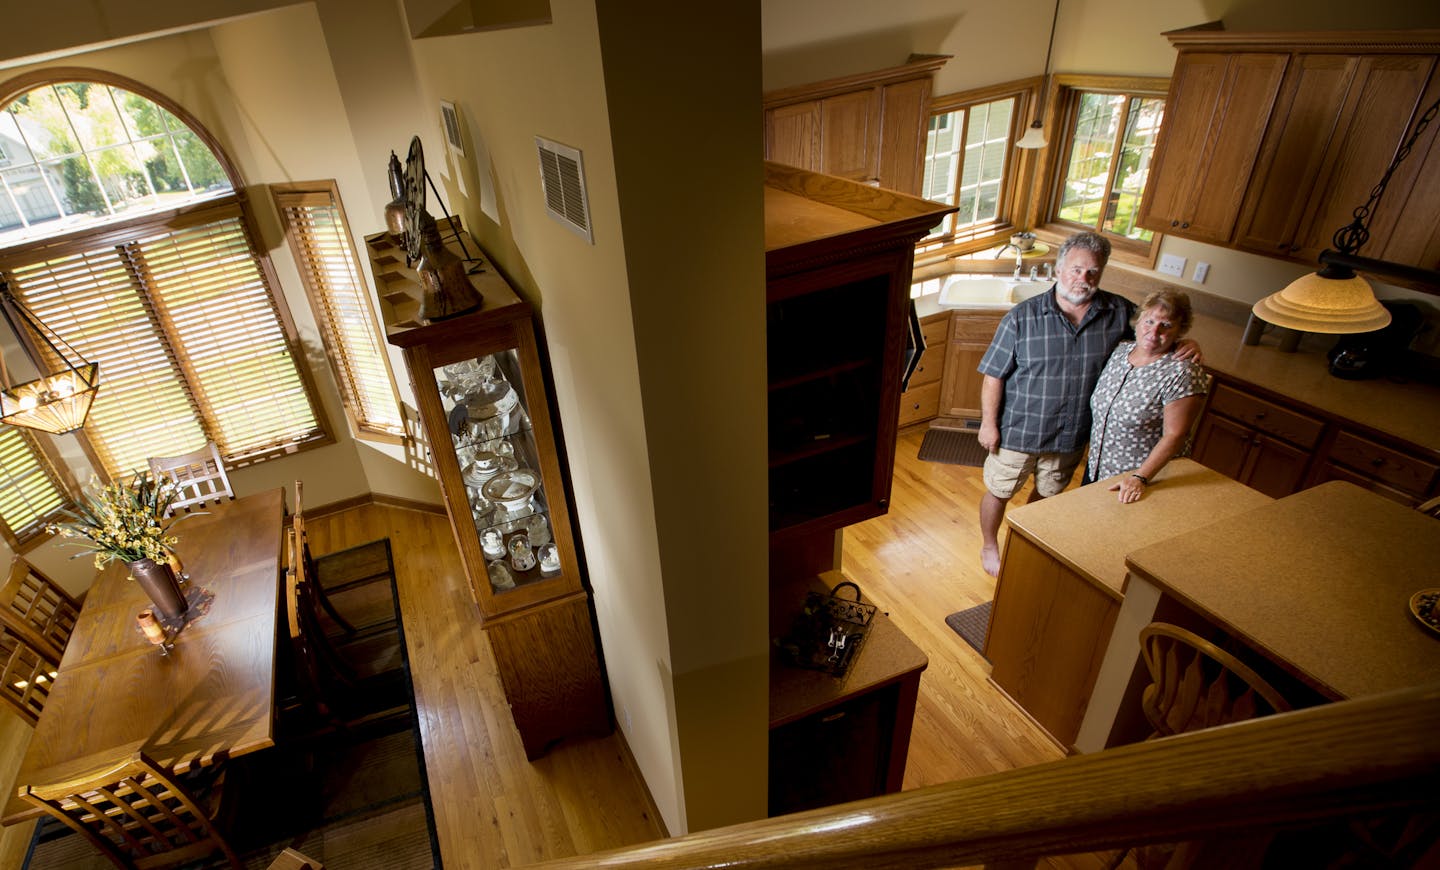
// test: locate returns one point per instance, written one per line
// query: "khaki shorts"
(1007, 470)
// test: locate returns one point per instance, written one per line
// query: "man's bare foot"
(990, 560)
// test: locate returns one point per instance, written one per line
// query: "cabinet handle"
(1259, 415)
(915, 407)
(1185, 225)
(1282, 246)
(1377, 462)
(832, 717)
(1174, 223)
(1294, 248)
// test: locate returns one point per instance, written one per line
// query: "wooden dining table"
(211, 697)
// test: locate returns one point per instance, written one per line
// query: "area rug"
(952, 447)
(972, 624)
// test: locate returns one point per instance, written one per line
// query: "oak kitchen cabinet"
(1280, 447)
(868, 128)
(1274, 171)
(970, 335)
(921, 399)
(1209, 146)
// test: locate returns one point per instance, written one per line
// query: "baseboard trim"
(628, 759)
(376, 498)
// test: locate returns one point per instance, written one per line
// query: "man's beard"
(1079, 294)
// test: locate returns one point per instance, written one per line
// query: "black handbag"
(827, 632)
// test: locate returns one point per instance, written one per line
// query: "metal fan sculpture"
(448, 291)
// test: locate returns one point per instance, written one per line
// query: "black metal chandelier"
(58, 402)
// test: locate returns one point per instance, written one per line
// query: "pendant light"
(58, 402)
(1035, 136)
(1335, 300)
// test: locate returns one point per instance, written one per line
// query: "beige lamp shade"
(1034, 137)
(1313, 303)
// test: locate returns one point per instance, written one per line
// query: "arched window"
(121, 228)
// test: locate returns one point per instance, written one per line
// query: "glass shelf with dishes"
(490, 429)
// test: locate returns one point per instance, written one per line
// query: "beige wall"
(660, 413)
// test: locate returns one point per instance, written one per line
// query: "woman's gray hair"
(1092, 242)
(1173, 301)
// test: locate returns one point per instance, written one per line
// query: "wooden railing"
(1344, 760)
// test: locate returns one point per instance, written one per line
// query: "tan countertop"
(1089, 530)
(1319, 580)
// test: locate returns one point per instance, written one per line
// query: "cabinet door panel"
(1276, 468)
(1331, 471)
(1215, 119)
(792, 135)
(1383, 464)
(1222, 445)
(919, 403)
(904, 114)
(1384, 99)
(849, 135)
(1409, 213)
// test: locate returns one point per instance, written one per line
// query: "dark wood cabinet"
(483, 404)
(838, 262)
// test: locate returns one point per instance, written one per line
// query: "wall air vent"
(562, 172)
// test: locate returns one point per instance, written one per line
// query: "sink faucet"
(1019, 258)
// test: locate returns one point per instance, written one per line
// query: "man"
(1038, 373)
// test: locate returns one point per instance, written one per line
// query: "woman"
(1146, 400)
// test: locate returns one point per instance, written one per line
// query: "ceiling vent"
(562, 172)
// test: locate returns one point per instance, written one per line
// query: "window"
(319, 237)
(32, 492)
(970, 163)
(174, 304)
(1105, 159)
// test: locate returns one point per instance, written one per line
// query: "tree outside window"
(1107, 156)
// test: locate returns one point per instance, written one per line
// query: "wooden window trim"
(1018, 172)
(54, 467)
(327, 193)
(1059, 120)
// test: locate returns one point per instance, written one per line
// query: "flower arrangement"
(125, 520)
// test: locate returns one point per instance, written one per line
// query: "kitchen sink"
(988, 291)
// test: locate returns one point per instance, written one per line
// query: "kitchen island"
(1062, 577)
(1316, 584)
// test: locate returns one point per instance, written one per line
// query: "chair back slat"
(199, 474)
(135, 813)
(1196, 684)
(35, 600)
(28, 667)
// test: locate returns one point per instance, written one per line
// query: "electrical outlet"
(1202, 271)
(1172, 265)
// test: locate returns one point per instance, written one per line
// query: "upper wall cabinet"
(868, 128)
(1208, 147)
(1271, 141)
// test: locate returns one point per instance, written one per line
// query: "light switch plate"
(1202, 271)
(1172, 265)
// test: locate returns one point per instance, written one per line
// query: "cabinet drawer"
(935, 328)
(974, 327)
(919, 403)
(1298, 429)
(1405, 472)
(930, 367)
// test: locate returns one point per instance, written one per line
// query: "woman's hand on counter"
(1130, 487)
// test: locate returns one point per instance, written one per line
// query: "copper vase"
(158, 581)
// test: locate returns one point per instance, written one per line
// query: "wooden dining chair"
(137, 814)
(200, 475)
(317, 670)
(293, 860)
(361, 574)
(28, 666)
(1196, 684)
(39, 602)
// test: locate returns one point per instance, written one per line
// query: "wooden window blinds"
(319, 237)
(31, 493)
(190, 342)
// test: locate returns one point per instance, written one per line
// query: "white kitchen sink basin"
(987, 291)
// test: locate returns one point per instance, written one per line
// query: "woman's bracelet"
(1143, 479)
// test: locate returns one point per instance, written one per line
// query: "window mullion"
(1116, 148)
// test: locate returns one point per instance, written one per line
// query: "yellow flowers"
(124, 520)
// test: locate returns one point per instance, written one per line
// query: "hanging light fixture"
(56, 403)
(1335, 300)
(1035, 136)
